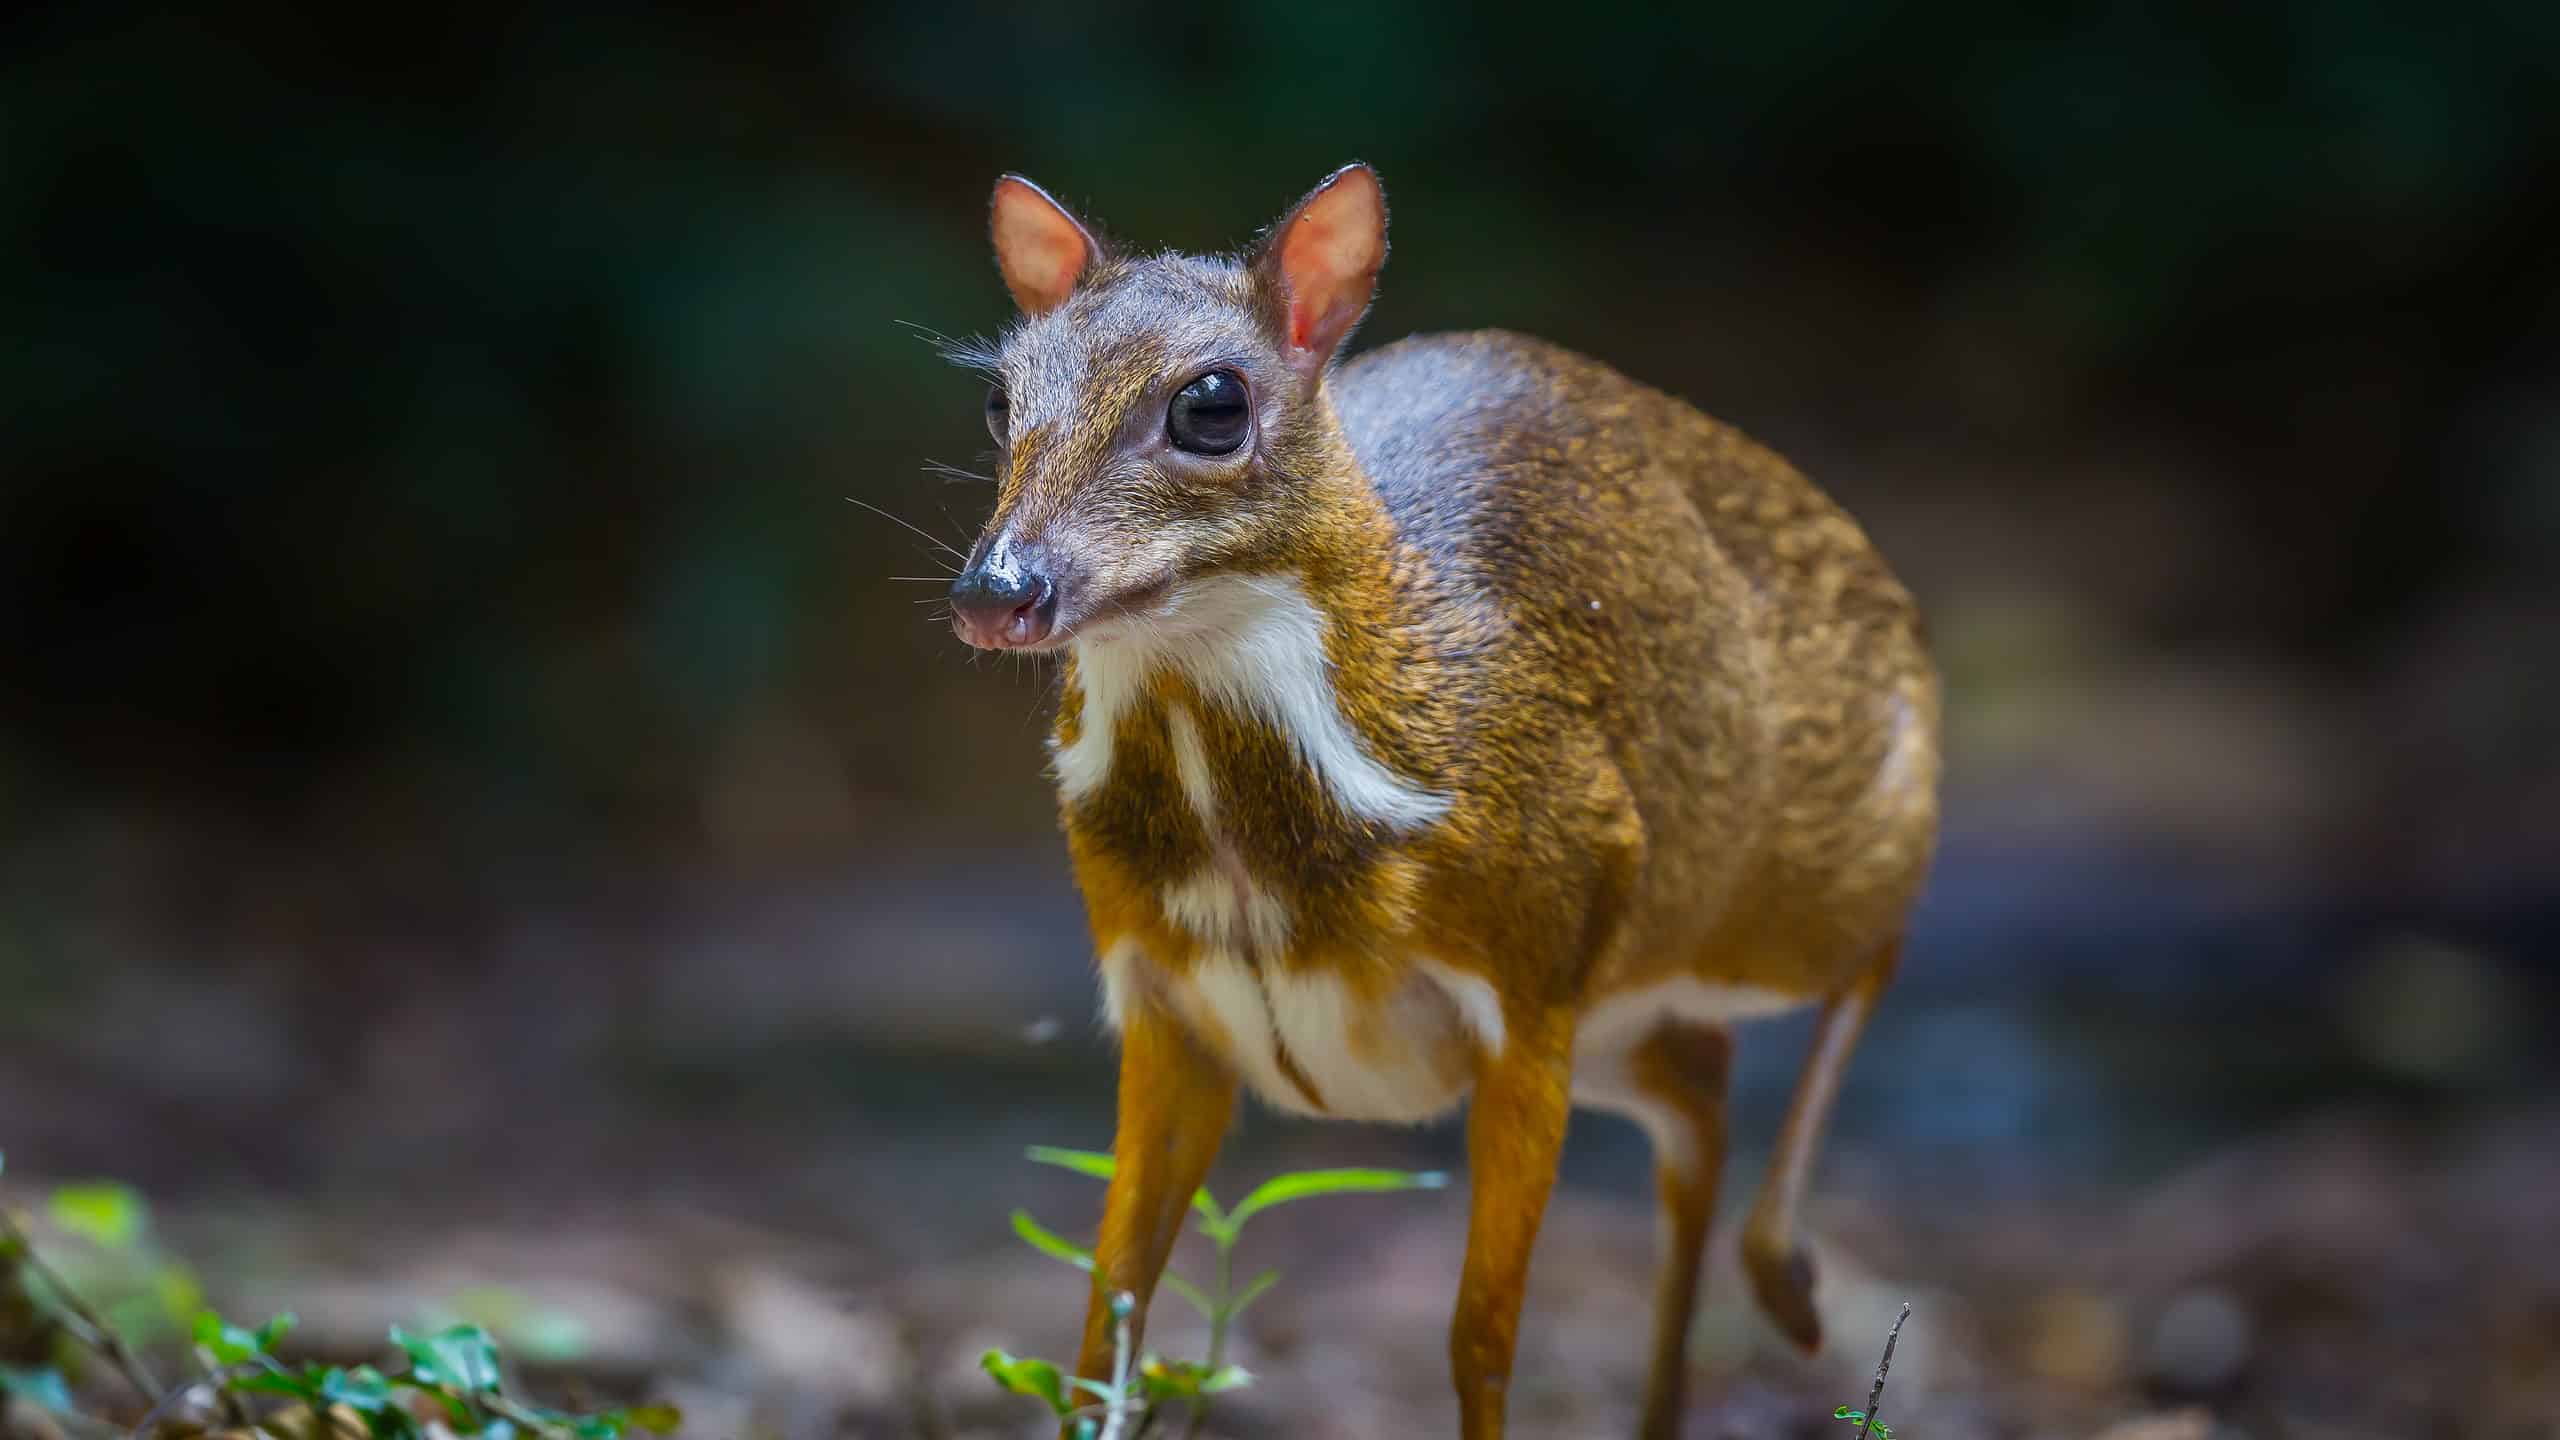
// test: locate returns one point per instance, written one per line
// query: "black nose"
(1003, 605)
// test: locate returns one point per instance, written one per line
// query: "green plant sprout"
(445, 1381)
(1117, 1398)
(1877, 1428)
(1870, 1421)
(1155, 1382)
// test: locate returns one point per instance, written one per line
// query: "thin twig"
(217, 1378)
(91, 1327)
(1875, 1396)
(168, 1403)
(1116, 1418)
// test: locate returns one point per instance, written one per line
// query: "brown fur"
(1678, 706)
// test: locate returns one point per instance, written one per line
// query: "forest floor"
(2352, 1275)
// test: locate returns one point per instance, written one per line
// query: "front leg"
(1515, 1132)
(1175, 1102)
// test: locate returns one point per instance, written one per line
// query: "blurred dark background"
(458, 743)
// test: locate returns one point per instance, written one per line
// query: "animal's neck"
(1318, 646)
(1341, 549)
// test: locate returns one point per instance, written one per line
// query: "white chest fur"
(1255, 642)
(1299, 1036)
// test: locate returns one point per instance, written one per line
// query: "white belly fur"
(1416, 1064)
(1608, 1036)
(1427, 1035)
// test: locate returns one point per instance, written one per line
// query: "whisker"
(911, 525)
(969, 352)
(956, 475)
(946, 513)
(1038, 694)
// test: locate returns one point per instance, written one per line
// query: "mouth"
(1113, 613)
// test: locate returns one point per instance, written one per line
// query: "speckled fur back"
(1759, 670)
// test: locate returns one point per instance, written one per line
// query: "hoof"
(1784, 1284)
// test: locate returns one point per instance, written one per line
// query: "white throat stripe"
(1255, 642)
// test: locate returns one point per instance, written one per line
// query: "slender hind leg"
(1780, 1271)
(1680, 1070)
(1671, 1082)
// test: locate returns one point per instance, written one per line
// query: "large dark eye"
(1209, 416)
(999, 414)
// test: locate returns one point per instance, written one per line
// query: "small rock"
(2078, 1338)
(2201, 1341)
(798, 1336)
(2174, 1425)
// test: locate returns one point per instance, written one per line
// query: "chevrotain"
(1464, 721)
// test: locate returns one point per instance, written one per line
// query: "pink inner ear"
(1040, 248)
(1330, 258)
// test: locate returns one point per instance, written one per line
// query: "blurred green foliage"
(450, 1380)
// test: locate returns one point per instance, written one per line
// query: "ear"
(1041, 249)
(1322, 262)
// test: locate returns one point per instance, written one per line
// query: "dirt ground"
(2351, 1276)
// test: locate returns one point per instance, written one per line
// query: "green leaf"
(1281, 1189)
(1252, 1291)
(276, 1328)
(1049, 1243)
(279, 1382)
(1096, 1163)
(460, 1357)
(658, 1419)
(179, 1293)
(43, 1388)
(107, 1215)
(1026, 1375)
(1164, 1380)
(1225, 1378)
(228, 1344)
(1101, 1166)
(1199, 1299)
(1187, 1380)
(363, 1389)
